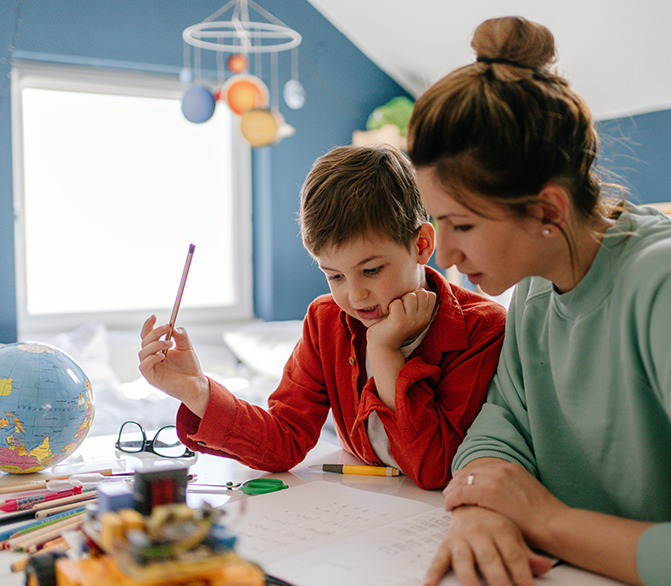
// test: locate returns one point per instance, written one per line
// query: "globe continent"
(46, 406)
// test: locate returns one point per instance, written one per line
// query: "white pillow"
(88, 345)
(264, 347)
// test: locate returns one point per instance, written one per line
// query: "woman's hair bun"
(514, 40)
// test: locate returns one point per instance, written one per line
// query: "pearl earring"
(546, 232)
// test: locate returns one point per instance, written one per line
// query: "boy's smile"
(370, 313)
(366, 274)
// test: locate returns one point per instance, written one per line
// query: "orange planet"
(237, 63)
(263, 127)
(242, 92)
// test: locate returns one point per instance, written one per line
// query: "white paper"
(322, 533)
(327, 534)
(397, 554)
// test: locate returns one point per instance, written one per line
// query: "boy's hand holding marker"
(178, 373)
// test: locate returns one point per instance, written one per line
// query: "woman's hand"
(508, 489)
(484, 543)
(173, 369)
(597, 542)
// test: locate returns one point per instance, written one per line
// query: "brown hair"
(506, 125)
(354, 191)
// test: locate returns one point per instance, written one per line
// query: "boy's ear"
(425, 243)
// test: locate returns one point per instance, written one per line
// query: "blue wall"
(636, 152)
(342, 86)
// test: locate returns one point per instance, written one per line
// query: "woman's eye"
(462, 227)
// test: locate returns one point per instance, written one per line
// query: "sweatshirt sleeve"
(654, 561)
(653, 328)
(501, 429)
(650, 284)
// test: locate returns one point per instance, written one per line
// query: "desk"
(214, 470)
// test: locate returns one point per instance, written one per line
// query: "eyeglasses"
(133, 440)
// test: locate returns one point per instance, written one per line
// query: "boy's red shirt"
(439, 391)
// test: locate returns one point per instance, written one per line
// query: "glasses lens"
(167, 444)
(131, 438)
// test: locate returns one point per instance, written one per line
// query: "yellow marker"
(360, 470)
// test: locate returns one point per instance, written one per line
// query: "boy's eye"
(374, 271)
(333, 277)
(462, 227)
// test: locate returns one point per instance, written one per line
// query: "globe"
(46, 406)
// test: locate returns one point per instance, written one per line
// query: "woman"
(571, 454)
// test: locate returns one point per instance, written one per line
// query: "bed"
(247, 359)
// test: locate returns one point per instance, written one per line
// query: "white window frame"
(74, 78)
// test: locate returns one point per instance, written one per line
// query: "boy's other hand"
(406, 318)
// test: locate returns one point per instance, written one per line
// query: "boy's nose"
(358, 293)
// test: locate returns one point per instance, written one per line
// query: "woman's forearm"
(600, 543)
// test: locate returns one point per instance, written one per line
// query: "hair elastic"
(502, 61)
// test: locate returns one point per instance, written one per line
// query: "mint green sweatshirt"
(582, 394)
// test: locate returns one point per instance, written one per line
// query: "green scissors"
(257, 486)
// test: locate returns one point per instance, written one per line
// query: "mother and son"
(553, 440)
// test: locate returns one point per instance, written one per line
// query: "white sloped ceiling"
(616, 53)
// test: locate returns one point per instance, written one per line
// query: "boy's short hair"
(354, 191)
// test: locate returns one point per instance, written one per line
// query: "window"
(111, 186)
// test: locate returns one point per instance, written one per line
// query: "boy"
(401, 357)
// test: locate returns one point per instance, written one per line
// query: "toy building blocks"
(172, 546)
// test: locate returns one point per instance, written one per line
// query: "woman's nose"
(447, 254)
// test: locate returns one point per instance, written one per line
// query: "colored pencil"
(40, 523)
(180, 291)
(85, 494)
(55, 510)
(58, 544)
(41, 536)
(42, 484)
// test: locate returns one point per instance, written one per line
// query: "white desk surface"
(215, 470)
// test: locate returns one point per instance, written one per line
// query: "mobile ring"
(470, 480)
